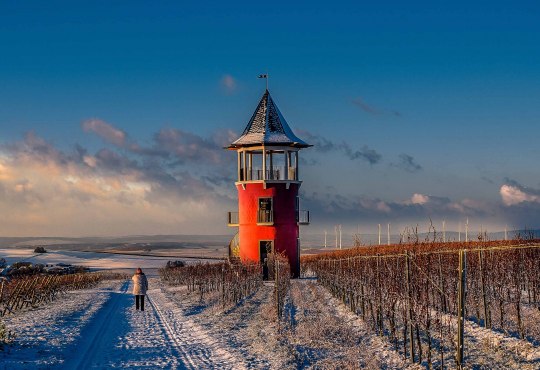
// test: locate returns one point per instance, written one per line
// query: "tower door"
(265, 251)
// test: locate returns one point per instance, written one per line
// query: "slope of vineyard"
(414, 295)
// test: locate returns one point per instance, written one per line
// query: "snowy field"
(93, 260)
(100, 329)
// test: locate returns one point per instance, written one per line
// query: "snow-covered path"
(195, 347)
(116, 335)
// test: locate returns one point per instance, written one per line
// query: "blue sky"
(447, 96)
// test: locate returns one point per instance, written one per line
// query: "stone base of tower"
(274, 228)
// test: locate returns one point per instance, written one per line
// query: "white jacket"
(140, 284)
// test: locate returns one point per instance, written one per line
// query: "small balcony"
(232, 219)
(265, 217)
(303, 217)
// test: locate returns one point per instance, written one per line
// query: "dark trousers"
(139, 300)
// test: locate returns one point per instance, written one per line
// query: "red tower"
(269, 212)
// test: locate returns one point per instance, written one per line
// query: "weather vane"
(265, 76)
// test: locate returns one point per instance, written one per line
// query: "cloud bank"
(122, 188)
(182, 182)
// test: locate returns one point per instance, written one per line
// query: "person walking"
(140, 286)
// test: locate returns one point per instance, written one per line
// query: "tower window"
(265, 214)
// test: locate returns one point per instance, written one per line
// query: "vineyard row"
(418, 297)
(231, 283)
(33, 291)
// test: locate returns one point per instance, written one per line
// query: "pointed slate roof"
(268, 127)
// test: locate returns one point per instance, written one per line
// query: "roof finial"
(265, 76)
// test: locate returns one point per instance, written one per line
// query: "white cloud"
(383, 207)
(228, 83)
(419, 199)
(512, 195)
(90, 160)
(106, 131)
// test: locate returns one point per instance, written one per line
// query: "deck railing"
(303, 217)
(274, 173)
(232, 219)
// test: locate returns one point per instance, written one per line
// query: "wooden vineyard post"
(223, 286)
(363, 302)
(276, 285)
(1, 296)
(377, 289)
(487, 320)
(442, 283)
(409, 303)
(462, 272)
(519, 292)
